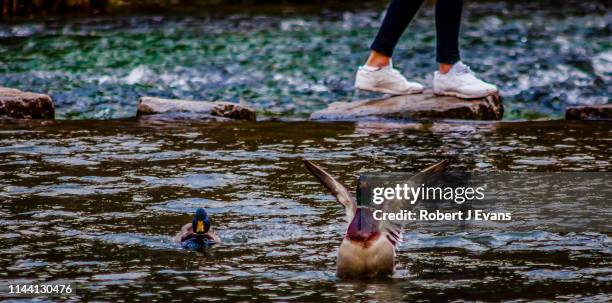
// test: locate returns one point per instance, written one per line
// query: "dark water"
(544, 55)
(97, 202)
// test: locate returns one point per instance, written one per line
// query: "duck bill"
(200, 226)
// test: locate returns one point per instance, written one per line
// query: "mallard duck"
(199, 233)
(369, 246)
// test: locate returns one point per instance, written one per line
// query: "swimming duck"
(369, 246)
(199, 233)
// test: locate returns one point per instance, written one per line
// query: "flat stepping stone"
(592, 112)
(25, 105)
(194, 109)
(414, 107)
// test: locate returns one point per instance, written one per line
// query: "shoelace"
(397, 74)
(468, 75)
(463, 69)
(395, 71)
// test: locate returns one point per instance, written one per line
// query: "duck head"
(201, 222)
(363, 226)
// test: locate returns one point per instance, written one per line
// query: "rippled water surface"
(97, 202)
(544, 55)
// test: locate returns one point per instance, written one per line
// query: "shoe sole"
(463, 96)
(388, 91)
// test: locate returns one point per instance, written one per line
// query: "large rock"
(419, 106)
(593, 112)
(199, 109)
(25, 105)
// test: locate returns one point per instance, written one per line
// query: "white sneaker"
(461, 82)
(386, 80)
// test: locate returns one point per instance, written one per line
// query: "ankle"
(377, 64)
(444, 68)
(377, 59)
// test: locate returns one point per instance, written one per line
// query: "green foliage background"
(29, 8)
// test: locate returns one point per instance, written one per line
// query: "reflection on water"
(543, 55)
(97, 202)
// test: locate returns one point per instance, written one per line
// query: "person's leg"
(454, 78)
(398, 16)
(448, 23)
(378, 74)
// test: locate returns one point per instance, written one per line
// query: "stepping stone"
(414, 107)
(194, 109)
(592, 112)
(25, 105)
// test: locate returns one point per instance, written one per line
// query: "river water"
(288, 62)
(97, 202)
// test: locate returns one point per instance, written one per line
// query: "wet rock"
(196, 109)
(419, 106)
(25, 105)
(593, 112)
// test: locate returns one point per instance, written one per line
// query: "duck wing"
(339, 190)
(426, 176)
(187, 229)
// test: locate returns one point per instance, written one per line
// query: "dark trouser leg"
(448, 21)
(399, 14)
